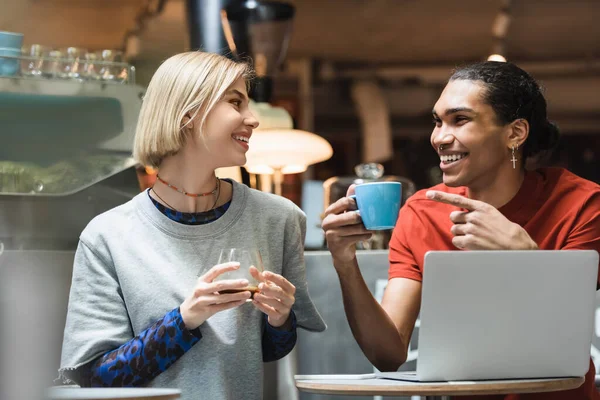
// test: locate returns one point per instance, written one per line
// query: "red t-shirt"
(558, 209)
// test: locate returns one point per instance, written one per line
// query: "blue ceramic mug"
(9, 63)
(11, 40)
(378, 204)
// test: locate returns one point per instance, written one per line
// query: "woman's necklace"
(161, 199)
(216, 192)
(213, 192)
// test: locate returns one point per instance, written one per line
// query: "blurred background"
(405, 48)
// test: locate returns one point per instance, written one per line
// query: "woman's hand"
(275, 297)
(482, 227)
(343, 228)
(206, 299)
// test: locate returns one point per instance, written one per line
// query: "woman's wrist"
(286, 325)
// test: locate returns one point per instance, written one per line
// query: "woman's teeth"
(447, 159)
(242, 138)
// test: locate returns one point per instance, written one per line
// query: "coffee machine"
(65, 157)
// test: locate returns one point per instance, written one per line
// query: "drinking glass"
(52, 64)
(33, 65)
(246, 258)
(112, 67)
(90, 68)
(72, 63)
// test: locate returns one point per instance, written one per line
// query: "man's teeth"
(242, 138)
(452, 157)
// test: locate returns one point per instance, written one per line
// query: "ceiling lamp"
(278, 149)
(499, 33)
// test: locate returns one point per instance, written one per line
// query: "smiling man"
(489, 119)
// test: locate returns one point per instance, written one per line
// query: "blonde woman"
(138, 313)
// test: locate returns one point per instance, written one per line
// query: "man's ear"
(519, 131)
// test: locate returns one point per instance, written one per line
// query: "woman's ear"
(519, 131)
(187, 122)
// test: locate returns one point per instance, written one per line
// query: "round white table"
(431, 391)
(77, 393)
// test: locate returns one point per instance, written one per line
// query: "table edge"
(442, 389)
(151, 397)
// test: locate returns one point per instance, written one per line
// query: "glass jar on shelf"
(71, 65)
(112, 66)
(34, 59)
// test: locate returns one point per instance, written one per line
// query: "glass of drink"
(246, 258)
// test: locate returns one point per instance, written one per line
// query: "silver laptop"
(488, 315)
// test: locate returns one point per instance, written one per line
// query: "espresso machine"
(65, 157)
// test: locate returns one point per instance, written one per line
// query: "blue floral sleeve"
(277, 343)
(145, 356)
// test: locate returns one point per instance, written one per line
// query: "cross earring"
(514, 159)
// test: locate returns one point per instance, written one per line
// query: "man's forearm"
(372, 328)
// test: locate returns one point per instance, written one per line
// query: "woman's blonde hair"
(187, 83)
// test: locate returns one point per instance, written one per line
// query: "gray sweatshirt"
(134, 264)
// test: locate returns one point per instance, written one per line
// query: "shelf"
(66, 69)
(60, 136)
